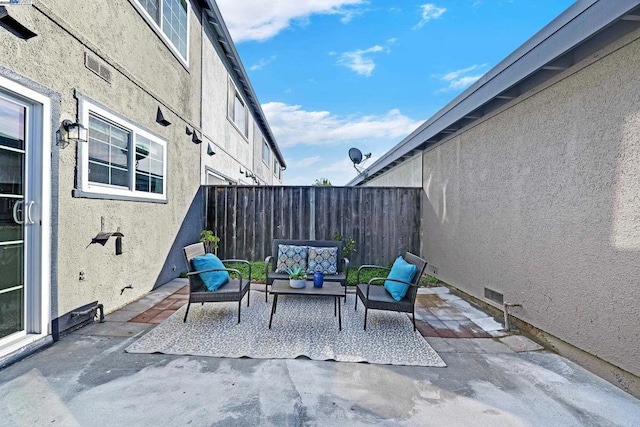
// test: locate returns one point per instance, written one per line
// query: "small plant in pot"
(297, 277)
(210, 241)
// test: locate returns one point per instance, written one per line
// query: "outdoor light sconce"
(188, 130)
(74, 131)
(210, 150)
(161, 119)
(195, 138)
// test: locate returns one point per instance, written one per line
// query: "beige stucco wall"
(406, 174)
(233, 151)
(145, 75)
(542, 203)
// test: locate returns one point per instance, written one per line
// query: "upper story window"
(170, 16)
(277, 170)
(265, 152)
(237, 111)
(120, 159)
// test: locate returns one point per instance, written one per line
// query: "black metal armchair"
(234, 290)
(374, 296)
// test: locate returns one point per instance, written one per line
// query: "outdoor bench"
(271, 263)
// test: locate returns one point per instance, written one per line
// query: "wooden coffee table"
(328, 289)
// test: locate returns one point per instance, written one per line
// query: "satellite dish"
(355, 155)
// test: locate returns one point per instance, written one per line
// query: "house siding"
(540, 203)
(234, 151)
(407, 174)
(145, 75)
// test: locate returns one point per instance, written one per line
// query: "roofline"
(576, 25)
(214, 18)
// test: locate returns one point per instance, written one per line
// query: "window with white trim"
(121, 159)
(171, 17)
(237, 111)
(265, 152)
(277, 170)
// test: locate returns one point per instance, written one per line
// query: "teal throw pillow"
(401, 270)
(212, 280)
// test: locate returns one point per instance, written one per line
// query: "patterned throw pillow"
(323, 259)
(289, 255)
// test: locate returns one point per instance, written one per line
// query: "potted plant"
(210, 241)
(297, 277)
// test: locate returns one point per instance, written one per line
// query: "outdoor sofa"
(299, 251)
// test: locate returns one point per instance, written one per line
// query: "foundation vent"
(493, 296)
(97, 67)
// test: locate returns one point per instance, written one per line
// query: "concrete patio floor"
(492, 379)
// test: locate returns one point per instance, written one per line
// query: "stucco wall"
(407, 174)
(145, 75)
(233, 150)
(542, 203)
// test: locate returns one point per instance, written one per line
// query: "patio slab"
(520, 344)
(84, 378)
(88, 376)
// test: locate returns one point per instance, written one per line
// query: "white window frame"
(266, 152)
(87, 108)
(157, 27)
(276, 167)
(234, 95)
(211, 173)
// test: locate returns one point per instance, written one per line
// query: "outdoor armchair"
(234, 290)
(374, 295)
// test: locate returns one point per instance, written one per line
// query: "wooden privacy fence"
(384, 222)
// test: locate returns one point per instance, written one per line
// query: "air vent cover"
(493, 296)
(97, 67)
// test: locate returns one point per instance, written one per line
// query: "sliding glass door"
(24, 189)
(13, 214)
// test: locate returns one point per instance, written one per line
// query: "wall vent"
(97, 67)
(493, 296)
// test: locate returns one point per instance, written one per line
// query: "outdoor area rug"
(302, 326)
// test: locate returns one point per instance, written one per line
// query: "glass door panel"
(12, 213)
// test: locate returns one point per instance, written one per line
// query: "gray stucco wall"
(542, 203)
(145, 75)
(406, 174)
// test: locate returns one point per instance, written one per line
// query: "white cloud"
(261, 20)
(429, 11)
(463, 78)
(262, 63)
(292, 125)
(305, 163)
(358, 62)
(463, 82)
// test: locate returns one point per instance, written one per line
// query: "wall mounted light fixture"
(74, 131)
(161, 119)
(210, 150)
(195, 138)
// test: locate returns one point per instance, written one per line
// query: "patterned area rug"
(302, 326)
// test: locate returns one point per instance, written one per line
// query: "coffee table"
(328, 289)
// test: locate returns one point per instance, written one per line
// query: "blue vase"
(318, 279)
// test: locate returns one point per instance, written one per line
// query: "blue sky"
(336, 74)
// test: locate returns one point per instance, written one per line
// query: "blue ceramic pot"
(318, 279)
